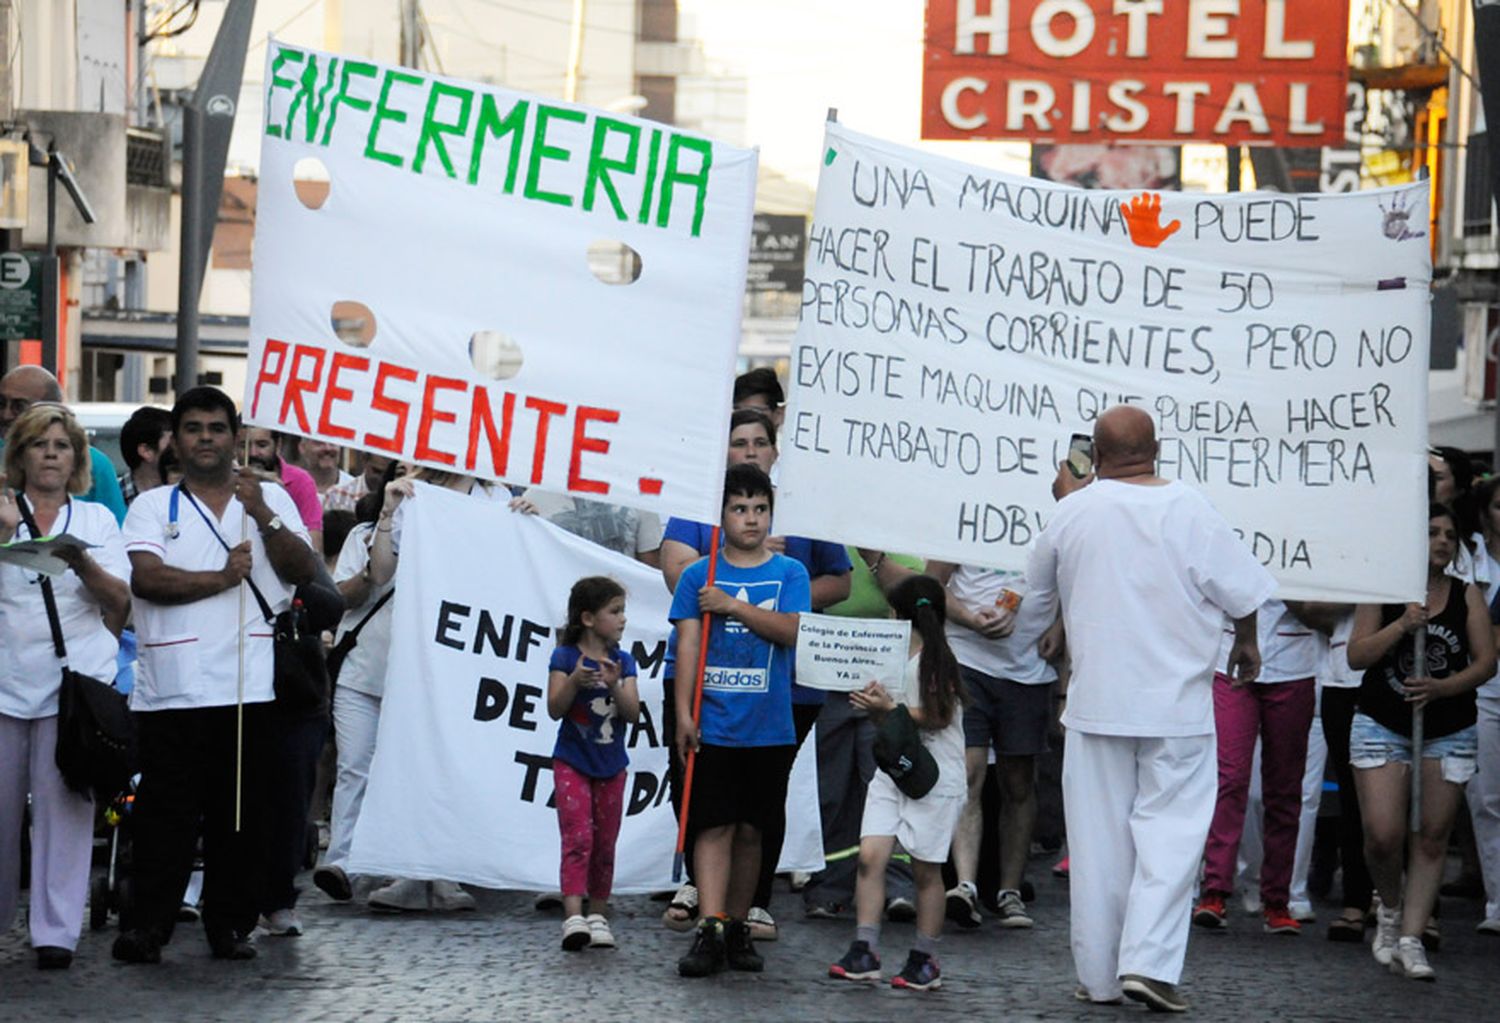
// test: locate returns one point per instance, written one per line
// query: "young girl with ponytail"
(933, 694)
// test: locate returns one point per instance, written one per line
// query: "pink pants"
(1280, 713)
(588, 816)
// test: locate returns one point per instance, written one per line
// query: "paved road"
(503, 963)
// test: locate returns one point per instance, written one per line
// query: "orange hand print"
(1143, 220)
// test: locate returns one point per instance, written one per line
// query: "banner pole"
(692, 757)
(1419, 664)
(239, 698)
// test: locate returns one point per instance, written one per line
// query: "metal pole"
(188, 284)
(575, 53)
(49, 269)
(1233, 154)
(1419, 666)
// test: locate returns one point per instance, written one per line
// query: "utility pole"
(411, 34)
(575, 53)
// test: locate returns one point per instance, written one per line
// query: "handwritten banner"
(461, 783)
(532, 291)
(958, 325)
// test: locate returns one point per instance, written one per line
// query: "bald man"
(1145, 571)
(22, 388)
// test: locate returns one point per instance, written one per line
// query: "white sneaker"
(1251, 901)
(1410, 960)
(963, 905)
(576, 934)
(600, 936)
(448, 897)
(762, 926)
(1302, 912)
(405, 895)
(1387, 931)
(282, 923)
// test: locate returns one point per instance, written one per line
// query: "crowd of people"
(1200, 711)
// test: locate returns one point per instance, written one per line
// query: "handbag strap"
(265, 608)
(384, 599)
(46, 583)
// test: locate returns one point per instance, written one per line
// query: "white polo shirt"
(1145, 575)
(364, 669)
(30, 673)
(189, 653)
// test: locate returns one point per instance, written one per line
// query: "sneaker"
(1490, 926)
(232, 945)
(921, 973)
(1011, 910)
(576, 934)
(1302, 912)
(1410, 960)
(189, 913)
(600, 936)
(739, 947)
(1278, 921)
(53, 957)
(1432, 936)
(1250, 900)
(823, 910)
(282, 923)
(900, 910)
(1210, 911)
(1060, 868)
(1387, 931)
(406, 895)
(859, 963)
(334, 883)
(708, 953)
(546, 902)
(682, 913)
(449, 897)
(1157, 995)
(762, 926)
(136, 947)
(963, 905)
(798, 879)
(1081, 994)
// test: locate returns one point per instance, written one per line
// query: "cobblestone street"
(503, 963)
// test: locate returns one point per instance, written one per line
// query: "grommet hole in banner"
(310, 182)
(353, 323)
(495, 354)
(614, 262)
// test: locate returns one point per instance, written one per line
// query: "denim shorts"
(1371, 744)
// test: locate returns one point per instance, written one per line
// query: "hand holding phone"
(1080, 459)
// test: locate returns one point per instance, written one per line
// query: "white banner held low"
(958, 325)
(461, 785)
(478, 228)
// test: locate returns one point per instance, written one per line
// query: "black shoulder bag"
(301, 677)
(346, 644)
(96, 744)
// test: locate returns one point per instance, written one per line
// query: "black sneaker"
(1157, 995)
(707, 954)
(334, 883)
(740, 948)
(136, 947)
(859, 963)
(920, 973)
(231, 945)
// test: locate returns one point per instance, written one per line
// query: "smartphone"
(1081, 455)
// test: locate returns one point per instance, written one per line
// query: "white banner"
(473, 234)
(461, 785)
(958, 325)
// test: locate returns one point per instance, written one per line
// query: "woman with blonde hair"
(46, 462)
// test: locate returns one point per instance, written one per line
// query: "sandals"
(1345, 930)
(682, 913)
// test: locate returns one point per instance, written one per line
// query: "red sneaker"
(1210, 911)
(1279, 921)
(1060, 869)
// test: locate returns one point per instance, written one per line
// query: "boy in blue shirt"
(745, 740)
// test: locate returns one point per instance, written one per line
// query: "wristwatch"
(275, 525)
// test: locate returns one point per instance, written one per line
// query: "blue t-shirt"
(819, 557)
(747, 682)
(591, 736)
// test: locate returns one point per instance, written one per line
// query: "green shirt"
(866, 599)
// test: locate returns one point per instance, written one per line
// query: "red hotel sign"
(1223, 71)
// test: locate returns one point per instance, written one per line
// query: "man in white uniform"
(1145, 571)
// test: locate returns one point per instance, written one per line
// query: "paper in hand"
(843, 654)
(41, 555)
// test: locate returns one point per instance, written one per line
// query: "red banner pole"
(692, 757)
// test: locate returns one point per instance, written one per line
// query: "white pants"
(62, 834)
(1484, 801)
(1312, 796)
(1138, 812)
(356, 717)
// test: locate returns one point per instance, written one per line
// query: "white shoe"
(448, 897)
(1302, 912)
(547, 901)
(798, 880)
(600, 936)
(576, 934)
(283, 923)
(1387, 932)
(1251, 901)
(1410, 960)
(405, 895)
(762, 926)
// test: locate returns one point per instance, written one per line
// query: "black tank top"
(1380, 695)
